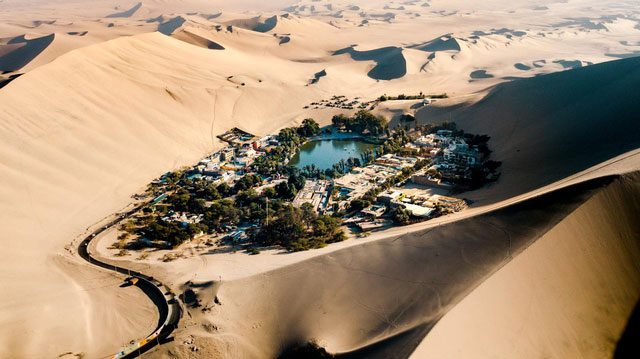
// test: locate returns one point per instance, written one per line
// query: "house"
(416, 210)
(396, 162)
(237, 236)
(460, 153)
(374, 211)
(227, 154)
(429, 181)
(389, 197)
(450, 203)
(316, 193)
(211, 169)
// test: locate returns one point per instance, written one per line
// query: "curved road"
(168, 307)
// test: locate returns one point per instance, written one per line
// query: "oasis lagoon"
(325, 153)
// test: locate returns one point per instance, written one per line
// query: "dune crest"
(585, 271)
(127, 13)
(381, 298)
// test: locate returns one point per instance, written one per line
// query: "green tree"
(400, 215)
(309, 128)
(340, 120)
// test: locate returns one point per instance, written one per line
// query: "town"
(248, 195)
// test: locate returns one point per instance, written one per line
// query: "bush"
(400, 215)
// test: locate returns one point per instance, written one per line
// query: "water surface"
(325, 153)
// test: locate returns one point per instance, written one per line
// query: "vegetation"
(299, 229)
(420, 96)
(309, 128)
(171, 233)
(400, 216)
(363, 122)
(190, 205)
(290, 139)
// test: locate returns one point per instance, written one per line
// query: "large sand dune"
(568, 296)
(381, 298)
(70, 158)
(549, 127)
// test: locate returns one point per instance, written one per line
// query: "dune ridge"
(390, 63)
(569, 295)
(379, 299)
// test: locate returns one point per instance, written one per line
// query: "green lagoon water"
(325, 153)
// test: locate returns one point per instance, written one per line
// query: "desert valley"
(319, 178)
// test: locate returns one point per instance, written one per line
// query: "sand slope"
(379, 299)
(567, 296)
(549, 127)
(73, 152)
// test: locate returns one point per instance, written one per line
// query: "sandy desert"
(100, 97)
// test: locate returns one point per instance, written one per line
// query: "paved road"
(168, 307)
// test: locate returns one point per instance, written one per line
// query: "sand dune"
(19, 51)
(127, 13)
(169, 112)
(390, 63)
(379, 299)
(194, 39)
(533, 120)
(568, 296)
(443, 43)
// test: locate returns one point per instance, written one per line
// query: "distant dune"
(127, 13)
(443, 43)
(390, 63)
(194, 39)
(19, 51)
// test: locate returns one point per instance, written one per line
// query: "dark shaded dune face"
(22, 52)
(5, 81)
(266, 26)
(379, 299)
(569, 64)
(258, 23)
(444, 43)
(196, 40)
(480, 74)
(127, 13)
(549, 127)
(390, 62)
(317, 76)
(169, 26)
